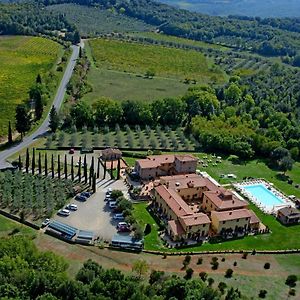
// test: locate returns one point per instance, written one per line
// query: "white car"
(118, 217)
(63, 212)
(71, 207)
(122, 224)
(112, 204)
(46, 222)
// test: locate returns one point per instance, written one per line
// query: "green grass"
(143, 217)
(7, 226)
(22, 58)
(165, 62)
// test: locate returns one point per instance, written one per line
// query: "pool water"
(263, 195)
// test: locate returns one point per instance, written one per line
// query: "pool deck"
(240, 187)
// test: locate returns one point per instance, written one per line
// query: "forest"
(26, 273)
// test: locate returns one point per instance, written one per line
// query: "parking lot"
(94, 214)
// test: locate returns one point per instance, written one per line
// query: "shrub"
(189, 273)
(115, 194)
(267, 266)
(203, 276)
(147, 229)
(228, 273)
(186, 261)
(222, 286)
(291, 280)
(155, 276)
(214, 265)
(235, 264)
(210, 281)
(292, 292)
(223, 259)
(262, 294)
(214, 259)
(244, 256)
(199, 261)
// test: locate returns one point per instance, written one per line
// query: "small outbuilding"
(110, 154)
(288, 215)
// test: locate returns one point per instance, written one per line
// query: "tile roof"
(231, 215)
(254, 219)
(224, 201)
(176, 227)
(289, 212)
(186, 157)
(109, 151)
(195, 219)
(147, 164)
(174, 201)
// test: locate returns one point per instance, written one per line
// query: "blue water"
(263, 195)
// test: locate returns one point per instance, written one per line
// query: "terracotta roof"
(108, 151)
(147, 164)
(174, 201)
(289, 212)
(231, 215)
(162, 159)
(176, 227)
(224, 201)
(186, 157)
(188, 180)
(195, 219)
(254, 219)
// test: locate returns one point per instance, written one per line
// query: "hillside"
(267, 8)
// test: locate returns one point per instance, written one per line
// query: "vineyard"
(35, 197)
(22, 58)
(143, 138)
(162, 61)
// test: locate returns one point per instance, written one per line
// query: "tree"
(262, 294)
(291, 280)
(38, 106)
(82, 115)
(188, 273)
(286, 164)
(228, 273)
(38, 79)
(85, 170)
(9, 135)
(186, 261)
(58, 166)
(27, 161)
(66, 167)
(40, 164)
(72, 168)
(233, 94)
(267, 266)
(79, 169)
(222, 286)
(203, 276)
(22, 119)
(46, 164)
(52, 165)
(53, 119)
(155, 276)
(140, 267)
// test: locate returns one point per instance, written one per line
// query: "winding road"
(43, 129)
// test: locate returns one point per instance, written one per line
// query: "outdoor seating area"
(264, 195)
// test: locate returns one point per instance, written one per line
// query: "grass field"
(138, 58)
(22, 58)
(7, 226)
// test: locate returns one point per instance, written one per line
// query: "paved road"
(58, 100)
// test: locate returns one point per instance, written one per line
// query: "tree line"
(27, 273)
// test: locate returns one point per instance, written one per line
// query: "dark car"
(71, 151)
(86, 194)
(80, 198)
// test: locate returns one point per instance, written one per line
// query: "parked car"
(71, 151)
(71, 207)
(108, 198)
(86, 194)
(46, 222)
(80, 198)
(112, 204)
(119, 216)
(123, 227)
(63, 212)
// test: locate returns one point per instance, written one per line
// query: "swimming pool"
(263, 195)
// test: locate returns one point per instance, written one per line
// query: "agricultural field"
(164, 62)
(93, 21)
(144, 138)
(22, 58)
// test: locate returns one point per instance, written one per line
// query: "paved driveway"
(94, 214)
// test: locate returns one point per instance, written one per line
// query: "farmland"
(22, 58)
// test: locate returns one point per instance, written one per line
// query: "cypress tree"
(104, 171)
(112, 169)
(40, 164)
(33, 162)
(38, 79)
(20, 163)
(72, 168)
(9, 137)
(94, 183)
(98, 168)
(119, 168)
(85, 170)
(52, 165)
(79, 169)
(66, 167)
(27, 161)
(46, 165)
(58, 166)
(91, 171)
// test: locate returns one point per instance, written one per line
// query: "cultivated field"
(21, 59)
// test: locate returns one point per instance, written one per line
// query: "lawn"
(7, 226)
(143, 217)
(164, 62)
(22, 58)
